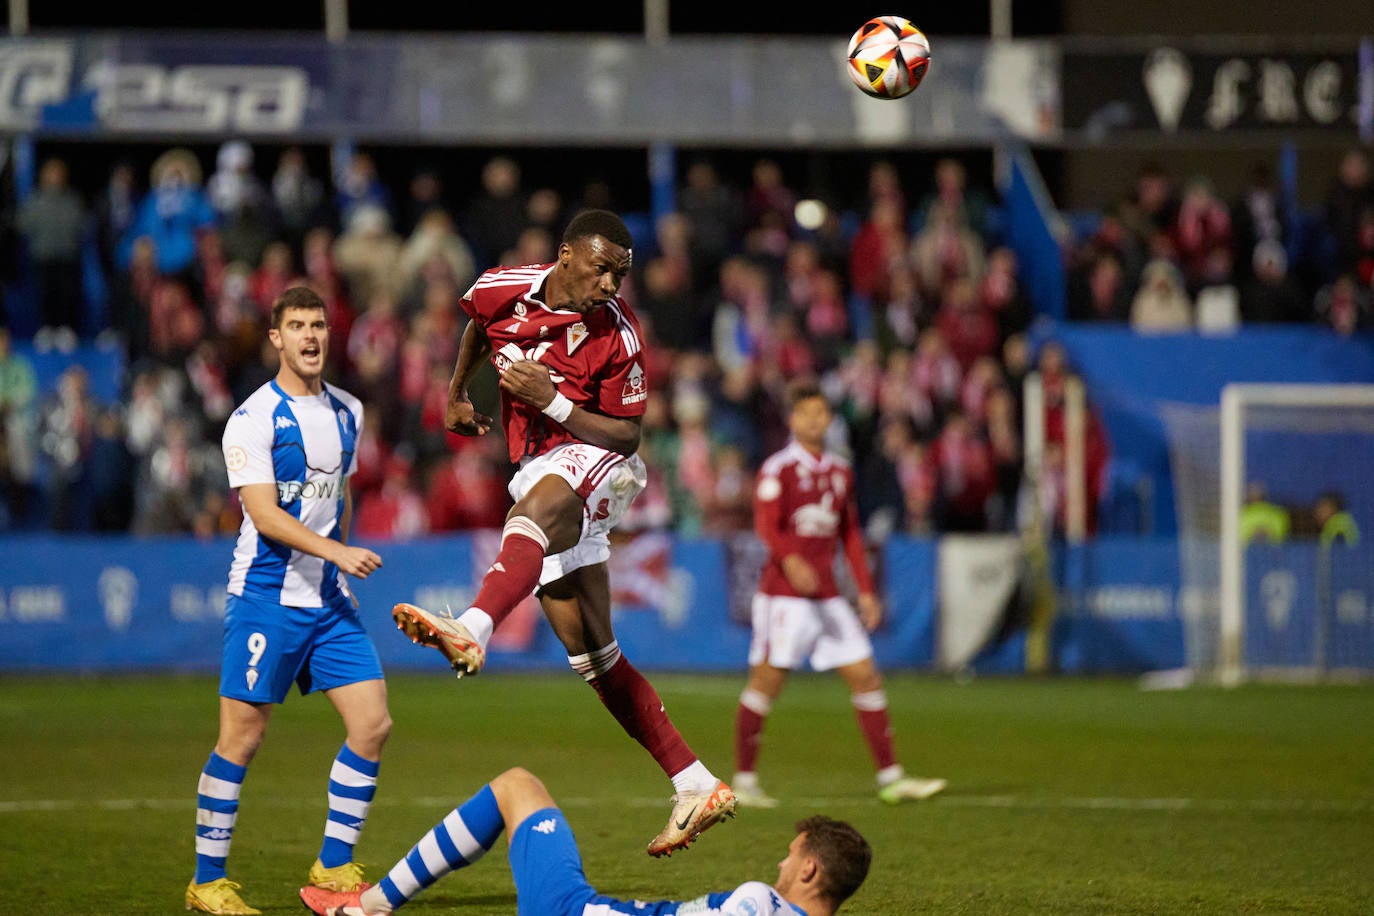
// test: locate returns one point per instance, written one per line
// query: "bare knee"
(519, 793)
(368, 739)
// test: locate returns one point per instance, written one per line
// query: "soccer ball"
(888, 57)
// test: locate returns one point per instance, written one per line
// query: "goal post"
(1285, 604)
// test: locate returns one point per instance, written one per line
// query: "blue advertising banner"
(127, 604)
(157, 604)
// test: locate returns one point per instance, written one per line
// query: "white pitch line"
(1295, 805)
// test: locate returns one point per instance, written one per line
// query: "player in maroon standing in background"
(804, 508)
(570, 358)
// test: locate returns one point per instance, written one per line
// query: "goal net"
(1270, 587)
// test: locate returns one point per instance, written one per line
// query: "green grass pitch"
(1066, 796)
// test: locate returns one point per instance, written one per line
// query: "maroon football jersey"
(805, 505)
(595, 360)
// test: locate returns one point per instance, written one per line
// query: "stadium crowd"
(907, 304)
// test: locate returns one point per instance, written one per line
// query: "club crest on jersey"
(576, 334)
(635, 390)
(520, 310)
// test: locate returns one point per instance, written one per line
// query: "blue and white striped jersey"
(306, 446)
(752, 898)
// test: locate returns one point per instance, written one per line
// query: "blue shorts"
(547, 867)
(268, 647)
(549, 880)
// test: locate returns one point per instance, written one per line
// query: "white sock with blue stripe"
(352, 784)
(460, 839)
(217, 807)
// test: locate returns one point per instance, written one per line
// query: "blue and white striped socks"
(217, 807)
(460, 839)
(352, 784)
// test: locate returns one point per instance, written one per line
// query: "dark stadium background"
(839, 175)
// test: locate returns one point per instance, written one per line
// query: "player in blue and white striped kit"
(289, 616)
(826, 862)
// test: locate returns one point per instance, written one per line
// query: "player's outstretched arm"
(461, 417)
(274, 523)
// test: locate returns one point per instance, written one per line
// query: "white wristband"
(559, 408)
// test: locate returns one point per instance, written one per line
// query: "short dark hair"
(599, 222)
(297, 297)
(843, 853)
(802, 389)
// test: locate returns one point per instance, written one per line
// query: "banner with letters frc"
(1178, 89)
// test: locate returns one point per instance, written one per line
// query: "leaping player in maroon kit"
(804, 509)
(569, 354)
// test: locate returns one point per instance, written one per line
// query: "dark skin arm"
(529, 381)
(461, 417)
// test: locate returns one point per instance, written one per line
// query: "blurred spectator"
(52, 223)
(492, 221)
(946, 249)
(300, 198)
(1201, 228)
(1262, 520)
(536, 245)
(175, 321)
(367, 253)
(740, 321)
(1055, 372)
(275, 274)
(395, 511)
(357, 185)
(209, 383)
(1001, 294)
(967, 326)
(66, 433)
(1216, 307)
(714, 213)
(899, 320)
(970, 205)
(468, 490)
(181, 468)
(172, 214)
(1364, 249)
(1150, 211)
(1272, 295)
(434, 251)
(935, 375)
(247, 217)
(1258, 214)
(880, 496)
(424, 193)
(666, 304)
(374, 345)
(1161, 304)
(1003, 432)
(1334, 523)
(1344, 306)
(730, 503)
(112, 472)
(18, 456)
(877, 250)
(1100, 291)
(769, 203)
(114, 208)
(967, 476)
(1349, 194)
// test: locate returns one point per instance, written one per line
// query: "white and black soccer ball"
(888, 57)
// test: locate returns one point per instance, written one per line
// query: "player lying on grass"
(570, 358)
(825, 864)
